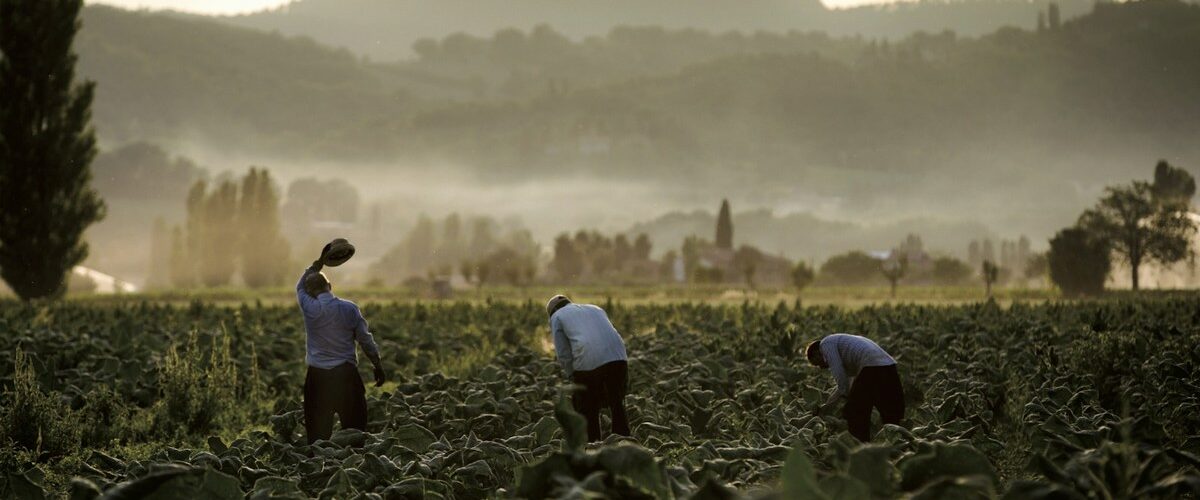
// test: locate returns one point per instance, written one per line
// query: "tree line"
(1143, 222)
(232, 229)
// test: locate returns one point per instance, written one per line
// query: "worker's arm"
(308, 302)
(834, 359)
(562, 347)
(364, 338)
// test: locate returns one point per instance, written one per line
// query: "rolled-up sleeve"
(834, 359)
(361, 334)
(308, 303)
(562, 347)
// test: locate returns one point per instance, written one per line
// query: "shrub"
(35, 420)
(1078, 263)
(196, 393)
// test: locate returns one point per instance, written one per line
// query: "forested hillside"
(386, 30)
(1011, 127)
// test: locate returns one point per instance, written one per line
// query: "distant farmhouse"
(719, 262)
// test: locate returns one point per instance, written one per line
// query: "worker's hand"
(380, 377)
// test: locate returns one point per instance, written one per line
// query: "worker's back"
(594, 341)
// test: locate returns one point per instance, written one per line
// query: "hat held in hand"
(340, 251)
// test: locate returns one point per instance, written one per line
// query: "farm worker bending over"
(333, 325)
(592, 355)
(876, 381)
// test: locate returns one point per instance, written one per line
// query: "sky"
(243, 6)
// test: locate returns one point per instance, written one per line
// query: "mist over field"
(827, 130)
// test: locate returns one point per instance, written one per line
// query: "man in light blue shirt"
(592, 354)
(866, 377)
(333, 326)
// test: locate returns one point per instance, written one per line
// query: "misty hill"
(386, 30)
(164, 77)
(1018, 128)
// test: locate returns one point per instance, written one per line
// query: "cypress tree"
(725, 227)
(46, 148)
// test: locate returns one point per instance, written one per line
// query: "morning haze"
(997, 121)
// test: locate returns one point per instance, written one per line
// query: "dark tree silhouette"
(46, 148)
(991, 273)
(568, 262)
(725, 227)
(802, 276)
(642, 247)
(1172, 184)
(950, 271)
(851, 268)
(893, 270)
(1077, 262)
(1140, 229)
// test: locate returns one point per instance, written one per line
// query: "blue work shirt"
(848, 354)
(584, 338)
(332, 326)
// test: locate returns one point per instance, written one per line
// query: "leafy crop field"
(1071, 400)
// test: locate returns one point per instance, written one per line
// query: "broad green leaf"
(637, 465)
(944, 460)
(799, 479)
(414, 437)
(973, 487)
(537, 480)
(574, 426)
(22, 487)
(871, 464)
(842, 487)
(274, 487)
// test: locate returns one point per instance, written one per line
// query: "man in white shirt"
(876, 381)
(592, 355)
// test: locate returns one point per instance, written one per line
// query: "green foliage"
(802, 275)
(35, 420)
(46, 148)
(950, 271)
(1140, 228)
(198, 387)
(1172, 185)
(716, 392)
(1077, 262)
(851, 268)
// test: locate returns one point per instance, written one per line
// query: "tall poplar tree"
(46, 148)
(264, 252)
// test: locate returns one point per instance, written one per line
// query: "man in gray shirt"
(332, 327)
(876, 381)
(592, 355)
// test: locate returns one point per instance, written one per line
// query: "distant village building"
(105, 284)
(719, 262)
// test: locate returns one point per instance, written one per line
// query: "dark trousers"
(336, 390)
(604, 386)
(874, 387)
